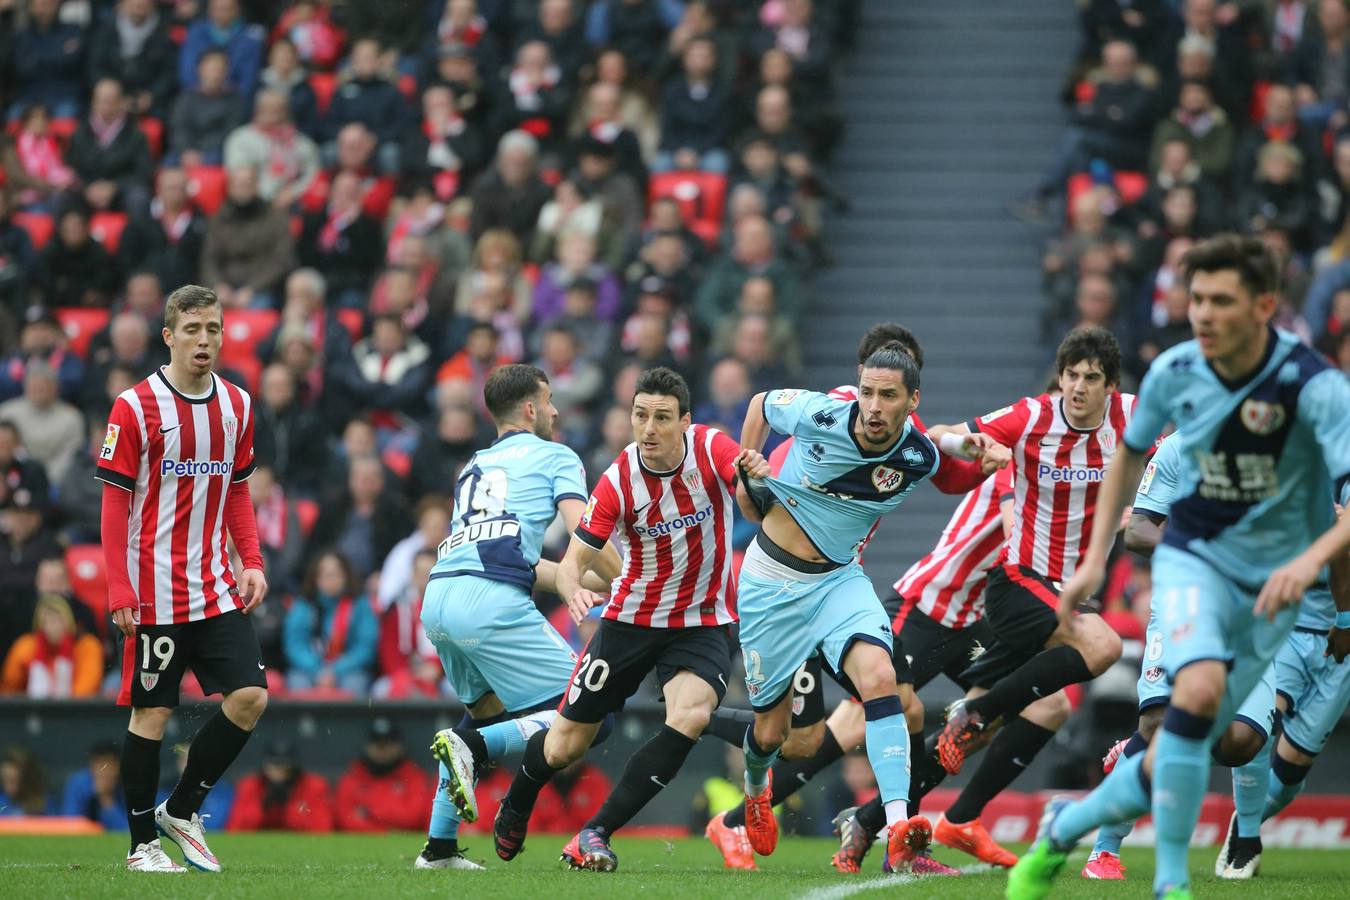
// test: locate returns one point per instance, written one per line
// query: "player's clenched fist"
(125, 620)
(753, 464)
(253, 588)
(582, 602)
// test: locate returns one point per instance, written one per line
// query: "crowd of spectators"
(1191, 118)
(389, 199)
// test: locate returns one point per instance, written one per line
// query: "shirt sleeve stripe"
(570, 495)
(244, 473)
(589, 539)
(116, 479)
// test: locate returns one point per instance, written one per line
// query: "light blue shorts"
(1155, 688)
(1316, 687)
(491, 638)
(788, 616)
(1203, 616)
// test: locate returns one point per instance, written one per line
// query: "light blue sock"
(444, 816)
(1121, 797)
(510, 737)
(1110, 837)
(888, 752)
(758, 761)
(1249, 793)
(1180, 776)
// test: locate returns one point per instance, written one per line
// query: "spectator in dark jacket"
(384, 789)
(306, 309)
(129, 348)
(1320, 67)
(1278, 198)
(534, 97)
(204, 116)
(344, 243)
(445, 445)
(134, 48)
(248, 245)
(444, 149)
(363, 520)
(801, 37)
(370, 99)
(282, 796)
(41, 340)
(110, 154)
(49, 61)
(17, 257)
(95, 792)
(637, 28)
(285, 74)
(223, 28)
(169, 237)
(74, 269)
(388, 373)
(511, 194)
(696, 114)
(287, 437)
(556, 25)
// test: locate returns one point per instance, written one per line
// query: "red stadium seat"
(249, 369)
(153, 129)
(80, 325)
(1130, 185)
(206, 187)
(307, 511)
(38, 225)
(244, 330)
(397, 461)
(89, 579)
(62, 129)
(106, 228)
(324, 85)
(353, 321)
(701, 195)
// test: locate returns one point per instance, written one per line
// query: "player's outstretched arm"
(578, 559)
(1118, 488)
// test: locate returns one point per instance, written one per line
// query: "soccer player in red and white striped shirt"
(1061, 447)
(174, 464)
(668, 501)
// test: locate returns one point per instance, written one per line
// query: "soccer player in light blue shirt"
(1264, 430)
(802, 589)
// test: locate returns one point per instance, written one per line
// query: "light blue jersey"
(506, 497)
(1158, 487)
(833, 489)
(1257, 459)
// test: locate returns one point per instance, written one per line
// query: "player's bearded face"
(1224, 316)
(884, 403)
(545, 414)
(195, 340)
(658, 429)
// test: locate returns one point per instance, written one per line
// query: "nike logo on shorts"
(142, 812)
(657, 781)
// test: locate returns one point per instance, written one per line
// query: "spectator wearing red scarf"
(34, 163)
(287, 161)
(344, 243)
(308, 26)
(168, 239)
(535, 98)
(53, 661)
(409, 664)
(444, 149)
(330, 634)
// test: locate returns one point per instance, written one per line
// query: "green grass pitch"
(297, 866)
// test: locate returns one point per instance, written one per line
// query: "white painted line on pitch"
(840, 891)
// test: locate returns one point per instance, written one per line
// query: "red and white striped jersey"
(947, 585)
(178, 456)
(1058, 471)
(675, 532)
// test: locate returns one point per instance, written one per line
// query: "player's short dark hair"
(883, 333)
(509, 386)
(894, 357)
(1090, 344)
(664, 382)
(188, 298)
(1255, 265)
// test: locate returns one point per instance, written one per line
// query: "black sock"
(1011, 751)
(871, 815)
(925, 773)
(728, 724)
(535, 772)
(140, 781)
(1041, 676)
(791, 775)
(650, 769)
(477, 746)
(212, 751)
(440, 848)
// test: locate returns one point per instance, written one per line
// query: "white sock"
(896, 811)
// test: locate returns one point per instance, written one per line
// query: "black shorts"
(925, 649)
(222, 651)
(619, 655)
(1022, 608)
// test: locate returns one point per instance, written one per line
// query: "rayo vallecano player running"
(802, 589)
(505, 661)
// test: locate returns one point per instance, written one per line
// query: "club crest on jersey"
(110, 441)
(1260, 417)
(885, 479)
(1108, 441)
(693, 480)
(229, 425)
(149, 680)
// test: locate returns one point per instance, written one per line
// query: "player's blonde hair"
(187, 298)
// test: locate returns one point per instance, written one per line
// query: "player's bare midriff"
(783, 530)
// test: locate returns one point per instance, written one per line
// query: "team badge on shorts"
(1260, 417)
(1153, 674)
(149, 680)
(798, 704)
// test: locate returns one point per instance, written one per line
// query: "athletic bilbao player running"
(813, 743)
(802, 590)
(668, 498)
(174, 464)
(1061, 447)
(1264, 438)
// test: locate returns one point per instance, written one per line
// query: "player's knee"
(150, 721)
(246, 705)
(690, 721)
(1239, 745)
(770, 733)
(1198, 695)
(1101, 647)
(876, 679)
(565, 743)
(1149, 720)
